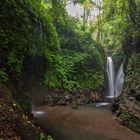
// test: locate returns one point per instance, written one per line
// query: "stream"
(85, 123)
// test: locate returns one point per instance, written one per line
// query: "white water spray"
(110, 74)
(114, 85)
(119, 81)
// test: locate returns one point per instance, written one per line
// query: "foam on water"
(101, 104)
(37, 113)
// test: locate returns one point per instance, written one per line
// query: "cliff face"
(132, 79)
(127, 107)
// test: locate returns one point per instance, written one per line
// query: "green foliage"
(3, 76)
(50, 138)
(112, 24)
(125, 117)
(14, 37)
(117, 30)
(44, 137)
(51, 79)
(70, 59)
(81, 57)
(43, 41)
(41, 136)
(77, 50)
(20, 35)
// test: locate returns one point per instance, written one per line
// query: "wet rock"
(62, 102)
(128, 112)
(131, 98)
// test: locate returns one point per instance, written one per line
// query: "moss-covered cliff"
(128, 104)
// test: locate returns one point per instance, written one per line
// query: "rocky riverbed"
(73, 99)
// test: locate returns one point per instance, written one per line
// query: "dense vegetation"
(41, 42)
(41, 45)
(119, 26)
(120, 32)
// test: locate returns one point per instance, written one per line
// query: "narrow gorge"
(70, 70)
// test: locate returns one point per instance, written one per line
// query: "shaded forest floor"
(14, 124)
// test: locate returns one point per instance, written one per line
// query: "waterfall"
(37, 35)
(110, 74)
(114, 84)
(119, 81)
(40, 30)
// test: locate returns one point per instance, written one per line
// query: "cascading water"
(35, 59)
(37, 35)
(119, 81)
(110, 74)
(114, 85)
(40, 30)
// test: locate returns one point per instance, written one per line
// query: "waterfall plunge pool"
(85, 123)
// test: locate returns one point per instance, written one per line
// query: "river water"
(84, 123)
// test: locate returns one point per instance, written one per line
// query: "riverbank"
(14, 124)
(73, 99)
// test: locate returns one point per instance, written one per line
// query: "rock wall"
(127, 106)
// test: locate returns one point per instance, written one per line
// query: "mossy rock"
(130, 120)
(128, 111)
